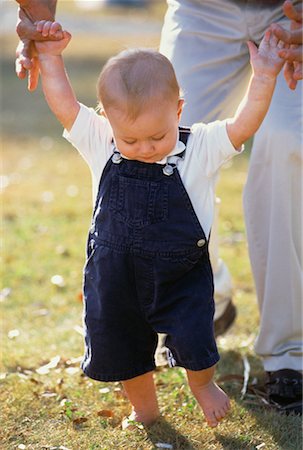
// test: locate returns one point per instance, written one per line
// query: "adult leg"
(273, 213)
(142, 396)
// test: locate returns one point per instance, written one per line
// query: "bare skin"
(29, 12)
(213, 401)
(293, 68)
(141, 393)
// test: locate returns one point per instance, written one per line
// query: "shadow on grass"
(233, 443)
(164, 433)
(284, 429)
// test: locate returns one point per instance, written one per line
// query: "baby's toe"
(220, 413)
(211, 419)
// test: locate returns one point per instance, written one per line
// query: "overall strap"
(172, 161)
(184, 133)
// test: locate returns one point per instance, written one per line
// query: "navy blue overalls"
(147, 272)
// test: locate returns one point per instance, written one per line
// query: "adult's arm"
(29, 12)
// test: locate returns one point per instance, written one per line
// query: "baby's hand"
(48, 28)
(265, 60)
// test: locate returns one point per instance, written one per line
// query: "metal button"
(116, 158)
(201, 242)
(168, 170)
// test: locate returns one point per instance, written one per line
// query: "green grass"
(46, 210)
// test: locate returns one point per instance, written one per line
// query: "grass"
(46, 208)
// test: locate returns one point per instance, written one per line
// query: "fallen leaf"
(47, 447)
(22, 376)
(5, 293)
(12, 334)
(78, 422)
(60, 382)
(72, 370)
(105, 413)
(246, 376)
(48, 394)
(74, 361)
(33, 380)
(105, 390)
(43, 370)
(163, 445)
(58, 281)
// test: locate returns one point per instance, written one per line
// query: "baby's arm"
(55, 83)
(266, 65)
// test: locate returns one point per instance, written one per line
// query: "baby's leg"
(142, 395)
(213, 401)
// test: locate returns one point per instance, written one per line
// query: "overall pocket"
(138, 203)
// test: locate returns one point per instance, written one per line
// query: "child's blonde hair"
(133, 78)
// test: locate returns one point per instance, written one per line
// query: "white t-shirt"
(208, 147)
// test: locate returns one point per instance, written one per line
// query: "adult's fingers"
(292, 12)
(33, 75)
(26, 64)
(292, 54)
(289, 75)
(289, 37)
(23, 58)
(20, 69)
(26, 29)
(298, 72)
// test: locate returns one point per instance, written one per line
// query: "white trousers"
(206, 42)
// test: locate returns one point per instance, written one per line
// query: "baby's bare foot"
(130, 423)
(134, 422)
(214, 403)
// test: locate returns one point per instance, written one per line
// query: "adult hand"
(293, 70)
(29, 12)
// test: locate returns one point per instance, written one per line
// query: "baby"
(148, 268)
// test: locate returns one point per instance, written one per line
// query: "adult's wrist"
(38, 9)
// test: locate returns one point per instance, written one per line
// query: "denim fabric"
(147, 272)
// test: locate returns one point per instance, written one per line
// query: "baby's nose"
(146, 148)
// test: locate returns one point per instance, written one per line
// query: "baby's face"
(151, 136)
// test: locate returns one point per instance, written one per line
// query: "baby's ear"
(100, 111)
(180, 107)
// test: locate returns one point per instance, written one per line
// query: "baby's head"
(140, 95)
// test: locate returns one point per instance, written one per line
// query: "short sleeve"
(212, 145)
(92, 135)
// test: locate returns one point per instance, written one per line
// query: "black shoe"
(224, 322)
(284, 390)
